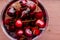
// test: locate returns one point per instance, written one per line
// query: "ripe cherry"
(7, 21)
(35, 31)
(31, 5)
(19, 32)
(23, 2)
(11, 28)
(38, 15)
(24, 15)
(11, 12)
(18, 23)
(40, 23)
(28, 32)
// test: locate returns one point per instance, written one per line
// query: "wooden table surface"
(53, 30)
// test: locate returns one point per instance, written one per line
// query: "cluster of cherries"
(25, 23)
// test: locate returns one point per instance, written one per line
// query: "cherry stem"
(29, 20)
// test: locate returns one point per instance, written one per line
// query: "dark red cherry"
(23, 2)
(18, 13)
(35, 31)
(28, 32)
(12, 28)
(38, 15)
(18, 23)
(40, 23)
(19, 32)
(11, 12)
(7, 21)
(31, 5)
(24, 15)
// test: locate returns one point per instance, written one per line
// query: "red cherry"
(36, 31)
(24, 15)
(28, 32)
(7, 21)
(31, 5)
(23, 2)
(38, 15)
(18, 13)
(40, 23)
(19, 32)
(11, 12)
(11, 28)
(18, 23)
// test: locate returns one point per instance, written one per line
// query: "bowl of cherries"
(24, 19)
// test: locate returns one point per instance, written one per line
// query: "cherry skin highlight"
(19, 32)
(40, 23)
(35, 31)
(28, 32)
(11, 12)
(18, 23)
